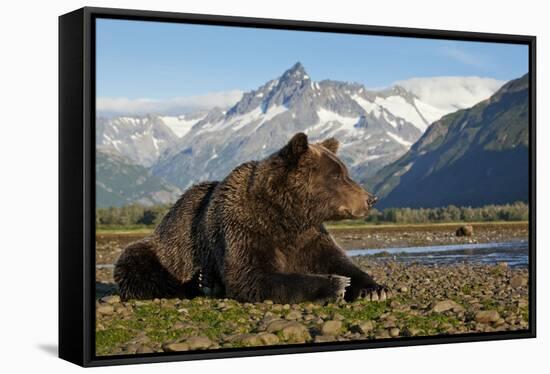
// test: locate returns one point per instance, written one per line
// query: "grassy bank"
(341, 225)
(359, 224)
(121, 229)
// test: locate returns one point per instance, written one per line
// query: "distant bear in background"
(256, 235)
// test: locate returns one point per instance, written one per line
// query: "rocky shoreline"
(428, 300)
(426, 235)
(110, 245)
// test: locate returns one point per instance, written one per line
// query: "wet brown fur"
(256, 235)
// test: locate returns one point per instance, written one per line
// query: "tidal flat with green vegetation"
(427, 301)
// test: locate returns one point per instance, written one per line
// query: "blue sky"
(154, 60)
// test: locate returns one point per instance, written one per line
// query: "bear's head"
(311, 181)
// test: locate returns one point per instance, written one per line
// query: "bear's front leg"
(292, 288)
(362, 284)
(323, 255)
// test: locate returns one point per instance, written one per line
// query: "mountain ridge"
(374, 127)
(120, 182)
(473, 156)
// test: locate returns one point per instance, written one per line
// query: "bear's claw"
(376, 293)
(341, 283)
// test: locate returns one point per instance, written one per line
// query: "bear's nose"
(372, 200)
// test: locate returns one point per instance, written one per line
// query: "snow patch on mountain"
(429, 112)
(236, 122)
(339, 122)
(181, 125)
(399, 139)
(368, 106)
(399, 107)
(140, 139)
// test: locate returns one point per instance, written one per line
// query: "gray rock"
(382, 334)
(175, 347)
(106, 309)
(324, 338)
(289, 330)
(295, 332)
(363, 327)
(394, 332)
(144, 349)
(131, 348)
(333, 327)
(487, 316)
(268, 338)
(518, 281)
(198, 342)
(445, 305)
(277, 325)
(293, 315)
(112, 299)
(251, 340)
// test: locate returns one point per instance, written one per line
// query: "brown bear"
(257, 235)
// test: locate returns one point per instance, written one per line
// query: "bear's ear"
(295, 148)
(331, 144)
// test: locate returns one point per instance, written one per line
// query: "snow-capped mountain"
(140, 139)
(374, 127)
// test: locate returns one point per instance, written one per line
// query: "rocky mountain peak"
(296, 72)
(277, 92)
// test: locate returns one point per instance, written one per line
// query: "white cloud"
(451, 93)
(171, 106)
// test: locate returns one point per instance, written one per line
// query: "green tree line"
(132, 215)
(518, 211)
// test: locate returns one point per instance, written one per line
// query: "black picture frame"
(77, 182)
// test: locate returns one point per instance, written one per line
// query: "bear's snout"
(371, 200)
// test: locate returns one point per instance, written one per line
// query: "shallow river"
(515, 253)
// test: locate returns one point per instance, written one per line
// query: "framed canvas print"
(234, 186)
